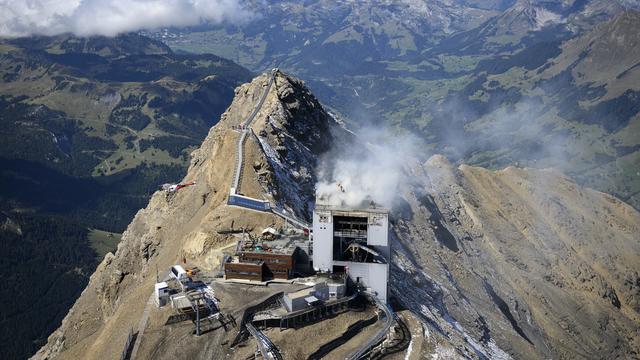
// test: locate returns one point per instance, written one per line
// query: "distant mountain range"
(525, 82)
(102, 109)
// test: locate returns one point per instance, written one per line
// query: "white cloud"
(111, 17)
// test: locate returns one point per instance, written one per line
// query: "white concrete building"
(162, 293)
(355, 241)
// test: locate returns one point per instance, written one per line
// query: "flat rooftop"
(365, 208)
(286, 245)
(309, 290)
(301, 293)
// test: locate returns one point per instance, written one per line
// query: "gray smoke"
(111, 17)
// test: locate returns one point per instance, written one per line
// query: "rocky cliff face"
(495, 264)
(519, 261)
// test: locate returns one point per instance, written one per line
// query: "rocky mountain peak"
(532, 15)
(489, 264)
(286, 135)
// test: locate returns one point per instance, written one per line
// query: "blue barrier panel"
(249, 203)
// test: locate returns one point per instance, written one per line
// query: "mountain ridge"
(505, 67)
(171, 225)
(491, 263)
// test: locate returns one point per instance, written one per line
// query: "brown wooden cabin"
(261, 266)
(244, 271)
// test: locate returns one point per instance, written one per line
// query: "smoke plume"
(369, 168)
(111, 17)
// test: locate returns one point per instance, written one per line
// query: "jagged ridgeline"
(490, 83)
(517, 263)
(90, 127)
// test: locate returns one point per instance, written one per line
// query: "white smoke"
(20, 18)
(368, 169)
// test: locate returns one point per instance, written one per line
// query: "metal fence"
(291, 218)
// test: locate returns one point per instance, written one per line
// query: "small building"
(313, 296)
(195, 293)
(244, 270)
(305, 298)
(162, 293)
(259, 264)
(296, 300)
(276, 265)
(179, 273)
(282, 258)
(269, 233)
(180, 302)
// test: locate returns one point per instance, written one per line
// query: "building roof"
(300, 293)
(365, 208)
(269, 230)
(311, 299)
(180, 301)
(161, 285)
(286, 245)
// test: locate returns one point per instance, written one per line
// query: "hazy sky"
(110, 17)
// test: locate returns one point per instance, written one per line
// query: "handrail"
(239, 163)
(291, 218)
(256, 204)
(243, 136)
(390, 318)
(266, 346)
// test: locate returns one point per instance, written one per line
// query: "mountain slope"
(105, 111)
(90, 128)
(517, 262)
(575, 109)
(524, 258)
(185, 225)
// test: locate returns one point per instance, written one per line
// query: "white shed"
(161, 294)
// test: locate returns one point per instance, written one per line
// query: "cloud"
(19, 18)
(370, 168)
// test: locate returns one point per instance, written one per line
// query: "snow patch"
(544, 17)
(493, 351)
(444, 353)
(409, 349)
(272, 155)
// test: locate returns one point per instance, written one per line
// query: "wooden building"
(261, 265)
(244, 271)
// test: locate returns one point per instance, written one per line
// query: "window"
(242, 272)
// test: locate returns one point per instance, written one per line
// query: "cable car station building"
(353, 241)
